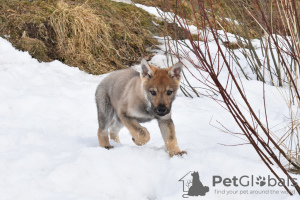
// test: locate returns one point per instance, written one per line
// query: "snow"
(154, 11)
(49, 147)
(123, 1)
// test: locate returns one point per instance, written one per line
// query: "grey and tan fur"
(128, 98)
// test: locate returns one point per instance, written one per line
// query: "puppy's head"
(160, 86)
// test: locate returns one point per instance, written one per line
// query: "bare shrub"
(211, 63)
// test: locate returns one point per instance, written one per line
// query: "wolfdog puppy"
(128, 98)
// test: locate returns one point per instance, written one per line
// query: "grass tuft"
(84, 38)
(95, 36)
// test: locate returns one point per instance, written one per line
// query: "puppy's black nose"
(161, 109)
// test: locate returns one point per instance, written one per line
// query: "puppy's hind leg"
(105, 112)
(103, 139)
(115, 129)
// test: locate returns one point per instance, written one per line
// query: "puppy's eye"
(169, 92)
(152, 92)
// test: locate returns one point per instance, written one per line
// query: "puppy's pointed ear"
(175, 71)
(146, 69)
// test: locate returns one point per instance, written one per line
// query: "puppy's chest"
(142, 113)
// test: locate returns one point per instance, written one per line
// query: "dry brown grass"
(170, 6)
(235, 45)
(99, 36)
(84, 38)
(96, 36)
(35, 47)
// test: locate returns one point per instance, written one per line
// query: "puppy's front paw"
(143, 136)
(178, 153)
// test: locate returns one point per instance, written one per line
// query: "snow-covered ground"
(49, 147)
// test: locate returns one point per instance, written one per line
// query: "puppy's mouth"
(162, 114)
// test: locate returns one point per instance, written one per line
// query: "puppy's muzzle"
(162, 110)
